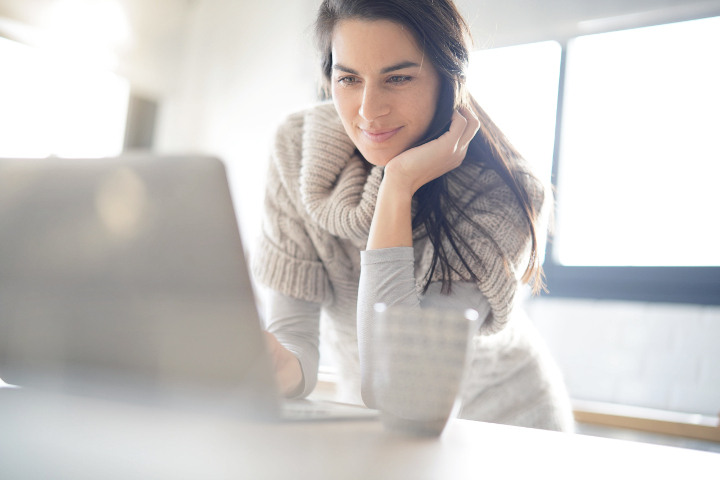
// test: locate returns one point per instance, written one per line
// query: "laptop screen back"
(127, 277)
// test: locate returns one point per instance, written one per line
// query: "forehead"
(373, 43)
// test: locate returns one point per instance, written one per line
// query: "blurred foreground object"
(125, 278)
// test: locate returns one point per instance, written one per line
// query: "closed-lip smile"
(380, 135)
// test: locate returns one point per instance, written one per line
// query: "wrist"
(397, 184)
(392, 220)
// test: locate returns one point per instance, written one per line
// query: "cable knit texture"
(320, 201)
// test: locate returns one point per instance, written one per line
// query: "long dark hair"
(444, 37)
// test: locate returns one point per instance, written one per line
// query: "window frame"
(693, 285)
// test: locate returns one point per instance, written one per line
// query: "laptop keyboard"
(309, 410)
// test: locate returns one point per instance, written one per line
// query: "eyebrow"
(392, 68)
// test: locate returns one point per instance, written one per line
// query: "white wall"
(139, 40)
(497, 23)
(650, 355)
(246, 65)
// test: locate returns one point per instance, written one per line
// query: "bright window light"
(518, 86)
(51, 106)
(640, 156)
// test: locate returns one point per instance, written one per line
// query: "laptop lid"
(126, 278)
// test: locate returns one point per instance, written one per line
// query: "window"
(518, 87)
(640, 157)
(635, 155)
(50, 105)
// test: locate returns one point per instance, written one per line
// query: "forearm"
(392, 220)
(295, 324)
(389, 281)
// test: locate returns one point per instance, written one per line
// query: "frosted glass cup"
(419, 360)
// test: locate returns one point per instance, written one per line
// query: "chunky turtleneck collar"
(335, 186)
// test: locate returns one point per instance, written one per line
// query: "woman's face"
(383, 88)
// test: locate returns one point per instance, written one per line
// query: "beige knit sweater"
(319, 206)
(318, 209)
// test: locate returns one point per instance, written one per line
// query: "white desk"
(88, 439)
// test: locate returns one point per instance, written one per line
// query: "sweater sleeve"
(387, 276)
(286, 259)
(296, 325)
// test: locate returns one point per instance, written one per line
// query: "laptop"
(125, 278)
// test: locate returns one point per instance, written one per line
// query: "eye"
(347, 80)
(399, 79)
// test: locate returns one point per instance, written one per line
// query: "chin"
(379, 158)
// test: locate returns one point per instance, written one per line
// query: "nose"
(374, 104)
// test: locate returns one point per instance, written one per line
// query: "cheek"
(345, 106)
(420, 106)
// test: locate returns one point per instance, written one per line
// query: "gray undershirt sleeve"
(388, 276)
(296, 325)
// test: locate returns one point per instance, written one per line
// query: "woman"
(403, 191)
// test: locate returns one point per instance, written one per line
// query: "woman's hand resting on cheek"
(288, 373)
(392, 223)
(415, 167)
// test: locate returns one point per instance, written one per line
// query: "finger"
(471, 128)
(457, 127)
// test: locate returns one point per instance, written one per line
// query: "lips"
(379, 136)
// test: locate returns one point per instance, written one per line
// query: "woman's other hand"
(288, 373)
(392, 221)
(415, 167)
